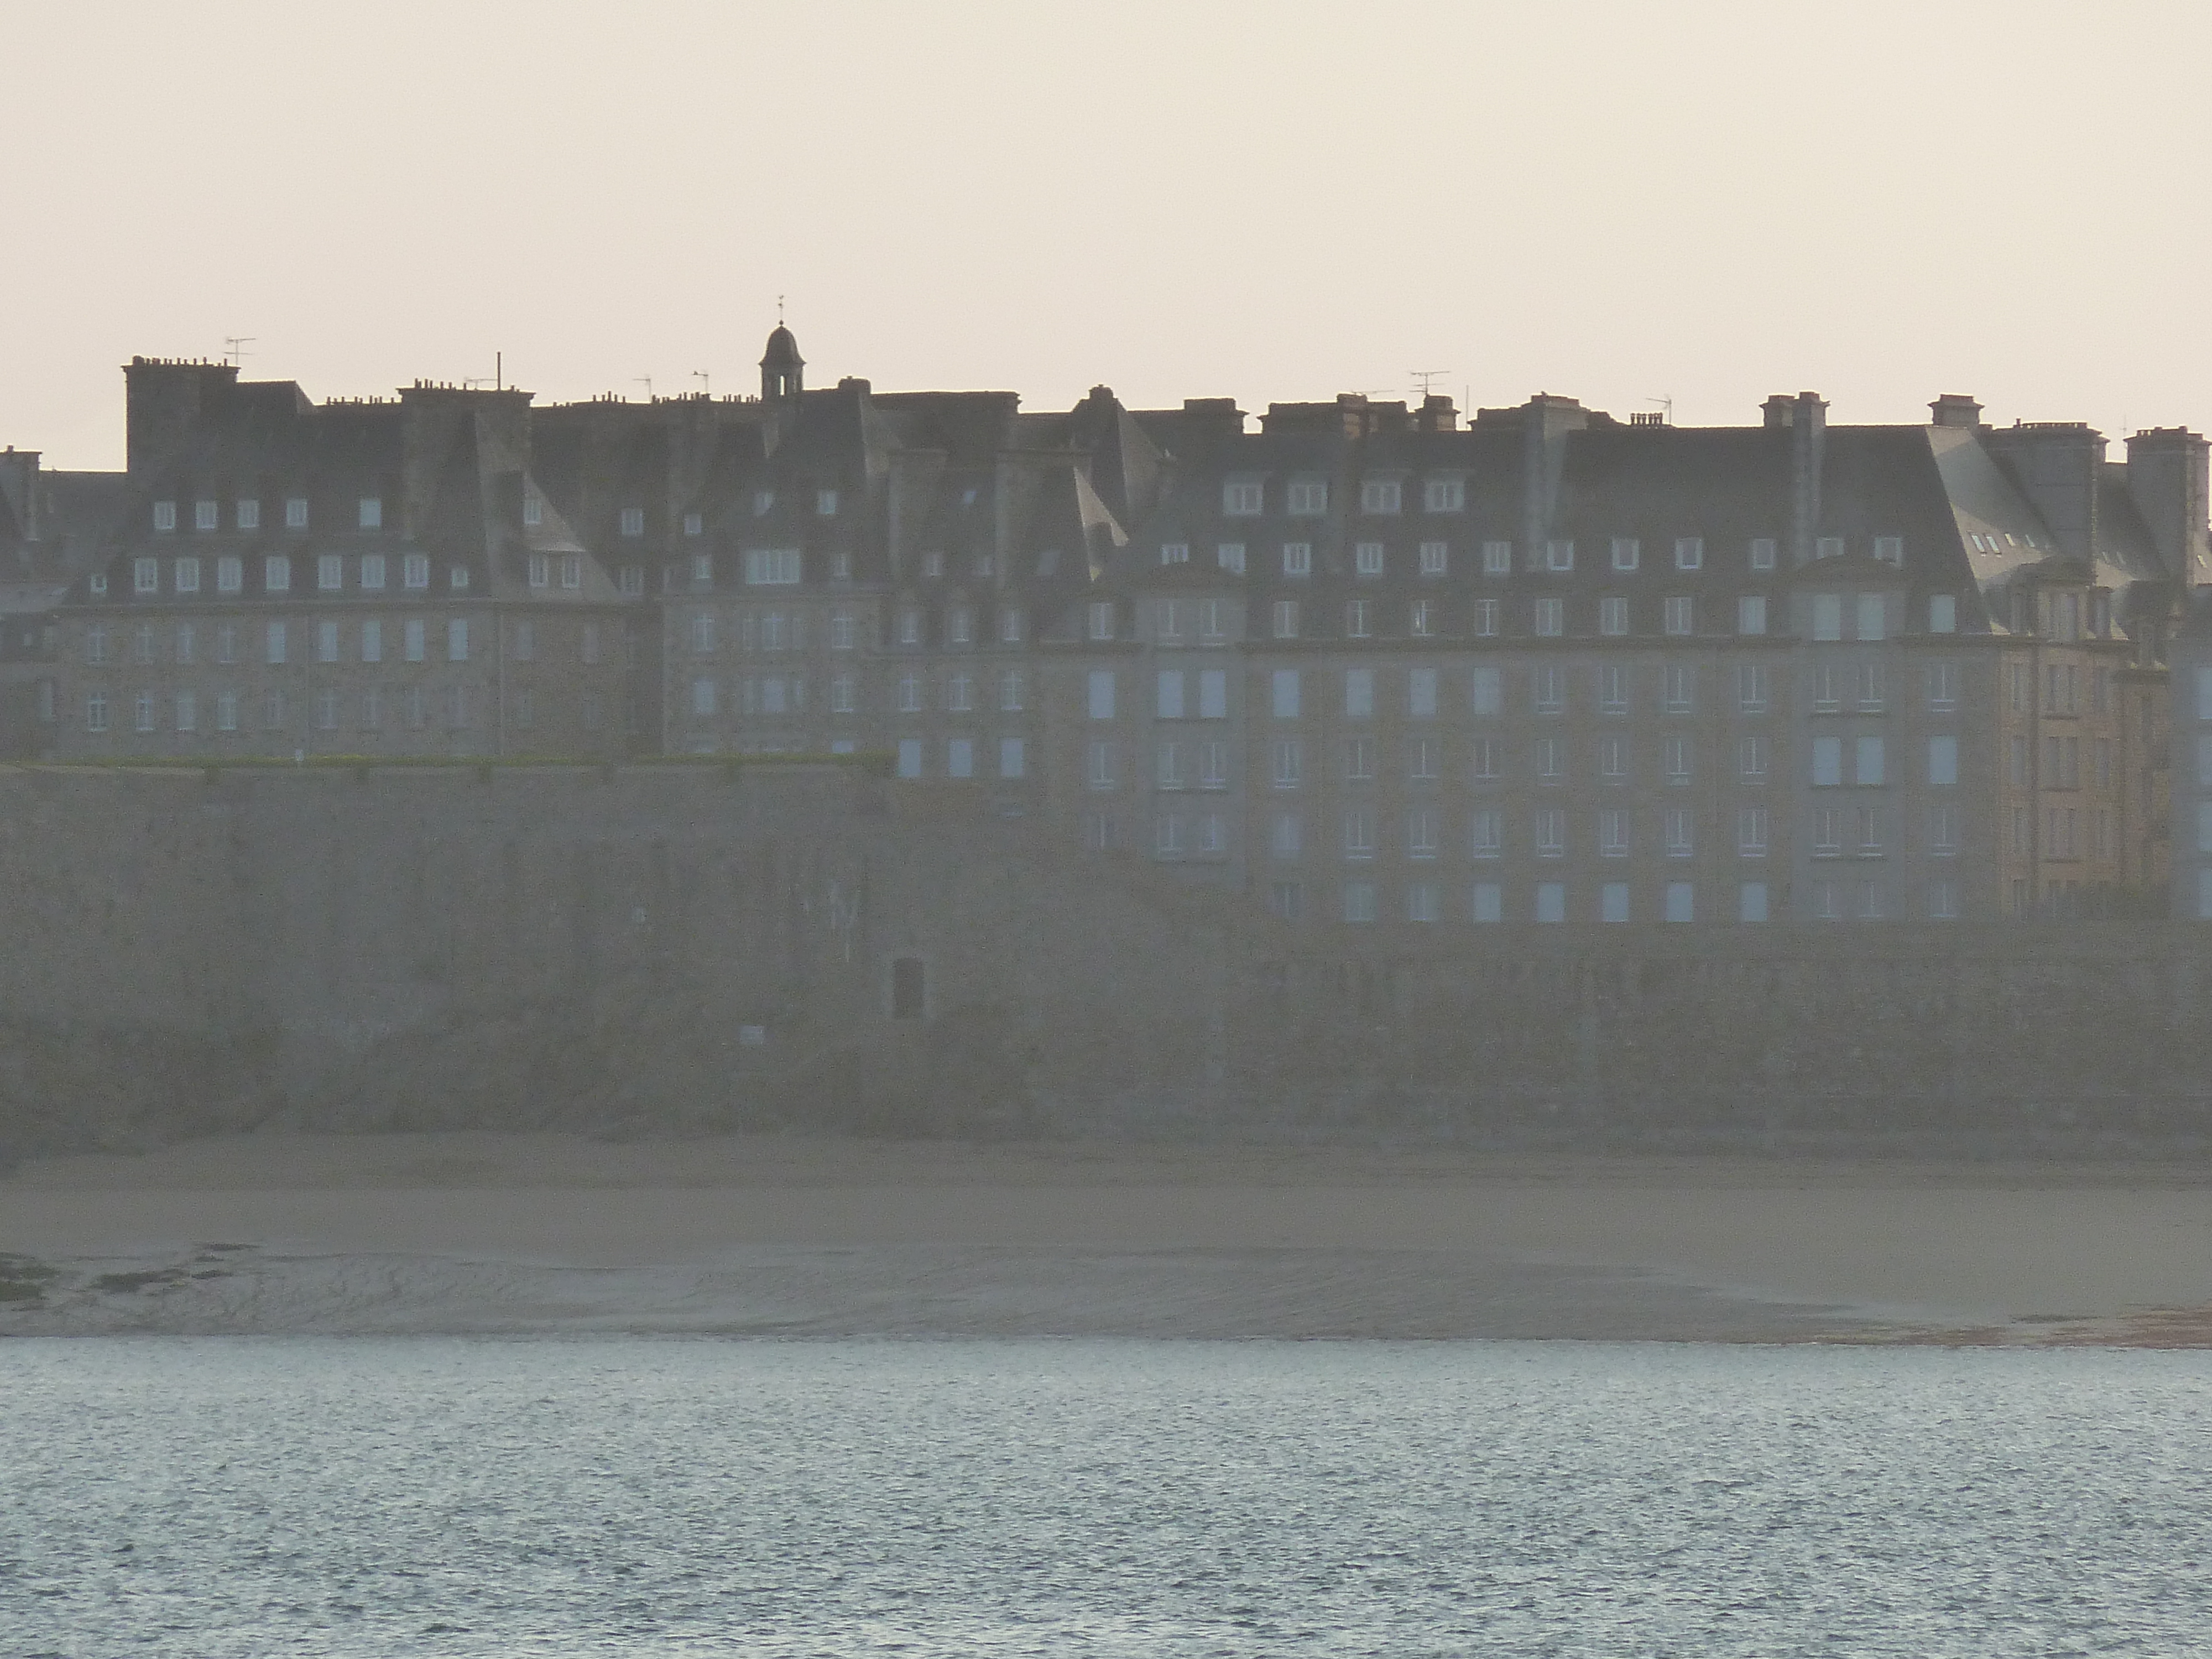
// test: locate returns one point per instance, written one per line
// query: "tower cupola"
(783, 371)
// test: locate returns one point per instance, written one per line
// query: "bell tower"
(783, 371)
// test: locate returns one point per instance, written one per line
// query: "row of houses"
(1372, 664)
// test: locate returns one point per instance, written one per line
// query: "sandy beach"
(801, 1237)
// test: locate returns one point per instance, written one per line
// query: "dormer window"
(572, 571)
(164, 515)
(1242, 498)
(1890, 550)
(1762, 552)
(1943, 613)
(533, 508)
(1381, 495)
(632, 521)
(457, 578)
(541, 570)
(1174, 552)
(372, 513)
(207, 515)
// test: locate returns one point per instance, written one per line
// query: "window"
(1309, 497)
(1358, 693)
(533, 508)
(1612, 688)
(826, 503)
(702, 570)
(1012, 758)
(1169, 702)
(1613, 615)
(1828, 547)
(1421, 619)
(1101, 701)
(1679, 830)
(187, 575)
(1010, 690)
(1485, 618)
(572, 571)
(1612, 902)
(1435, 557)
(273, 642)
(1551, 833)
(1488, 841)
(1167, 837)
(1496, 558)
(909, 628)
(1286, 900)
(1943, 901)
(1558, 556)
(1942, 614)
(1101, 615)
(1486, 759)
(1613, 833)
(1421, 902)
(1550, 617)
(1174, 552)
(1675, 753)
(1868, 768)
(143, 711)
(229, 574)
(1444, 496)
(909, 694)
(1485, 691)
(1943, 686)
(96, 712)
(1871, 617)
(1751, 832)
(95, 645)
(165, 518)
(1751, 614)
(411, 637)
(1359, 760)
(188, 711)
(457, 576)
(1423, 755)
(703, 634)
(702, 696)
(1229, 556)
(1551, 900)
(1367, 558)
(1827, 615)
(142, 643)
(1943, 831)
(1010, 626)
(330, 574)
(372, 513)
(1890, 550)
(1680, 615)
(1288, 760)
(1284, 694)
(959, 625)
(1486, 902)
(1359, 901)
(1421, 833)
(1359, 833)
(415, 570)
(1627, 553)
(1679, 684)
(225, 643)
(326, 641)
(1612, 759)
(1827, 761)
(769, 567)
(145, 575)
(296, 512)
(457, 640)
(248, 512)
(960, 757)
(1867, 681)
(1213, 765)
(326, 710)
(1298, 558)
(1099, 764)
(1943, 760)
(1421, 693)
(372, 640)
(633, 580)
(1751, 901)
(1751, 758)
(1357, 625)
(1212, 694)
(1681, 901)
(1381, 495)
(1240, 499)
(185, 642)
(1286, 619)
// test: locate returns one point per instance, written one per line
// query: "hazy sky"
(1614, 201)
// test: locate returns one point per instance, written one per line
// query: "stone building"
(378, 576)
(1371, 664)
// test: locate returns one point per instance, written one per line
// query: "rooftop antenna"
(1666, 402)
(499, 371)
(705, 389)
(646, 381)
(1427, 377)
(233, 348)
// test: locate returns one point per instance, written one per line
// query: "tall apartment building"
(1369, 665)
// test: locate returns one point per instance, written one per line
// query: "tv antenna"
(1427, 377)
(1666, 404)
(705, 390)
(233, 348)
(646, 381)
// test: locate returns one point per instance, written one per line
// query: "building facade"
(1369, 665)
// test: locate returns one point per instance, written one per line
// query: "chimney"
(2059, 466)
(2168, 473)
(1808, 432)
(1436, 414)
(164, 403)
(1777, 411)
(19, 490)
(1954, 408)
(1546, 421)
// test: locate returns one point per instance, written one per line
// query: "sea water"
(258, 1496)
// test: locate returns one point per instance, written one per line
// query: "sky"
(1703, 202)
